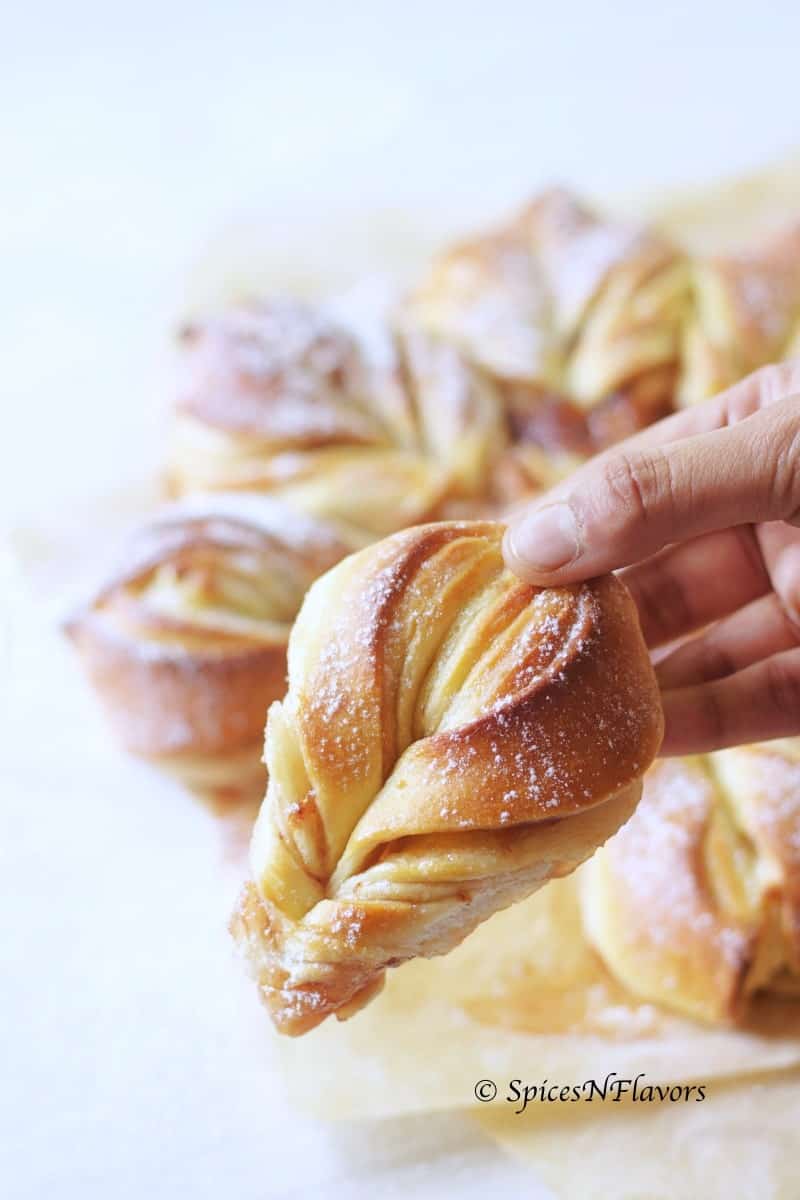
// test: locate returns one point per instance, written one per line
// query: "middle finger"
(686, 586)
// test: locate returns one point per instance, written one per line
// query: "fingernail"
(546, 539)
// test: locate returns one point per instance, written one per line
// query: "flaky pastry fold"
(185, 639)
(578, 316)
(695, 904)
(744, 314)
(451, 739)
(277, 398)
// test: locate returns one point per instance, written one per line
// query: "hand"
(702, 513)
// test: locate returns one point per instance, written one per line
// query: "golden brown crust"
(278, 399)
(451, 739)
(695, 904)
(278, 372)
(745, 313)
(569, 304)
(154, 694)
(762, 787)
(559, 330)
(185, 642)
(458, 410)
(377, 491)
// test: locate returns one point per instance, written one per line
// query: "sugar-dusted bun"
(577, 310)
(283, 374)
(278, 399)
(451, 739)
(745, 313)
(695, 904)
(185, 641)
(460, 411)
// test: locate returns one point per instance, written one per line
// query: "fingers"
(758, 391)
(780, 550)
(630, 504)
(678, 500)
(758, 631)
(755, 704)
(687, 586)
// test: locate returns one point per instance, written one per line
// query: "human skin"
(700, 515)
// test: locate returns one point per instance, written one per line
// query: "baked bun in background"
(744, 314)
(577, 316)
(275, 397)
(695, 904)
(557, 333)
(185, 641)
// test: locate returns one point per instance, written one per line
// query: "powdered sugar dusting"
(280, 370)
(659, 856)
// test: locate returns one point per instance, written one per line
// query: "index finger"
(764, 387)
(760, 390)
(621, 508)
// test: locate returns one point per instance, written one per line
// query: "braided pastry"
(745, 313)
(186, 640)
(459, 412)
(559, 332)
(695, 904)
(451, 739)
(578, 317)
(276, 398)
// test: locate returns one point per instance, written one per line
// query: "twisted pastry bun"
(582, 315)
(525, 470)
(186, 641)
(695, 904)
(451, 739)
(276, 398)
(284, 373)
(745, 313)
(559, 332)
(459, 411)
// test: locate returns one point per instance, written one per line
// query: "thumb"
(631, 503)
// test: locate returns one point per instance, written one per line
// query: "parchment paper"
(523, 998)
(739, 1144)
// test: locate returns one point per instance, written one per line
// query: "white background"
(138, 143)
(134, 137)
